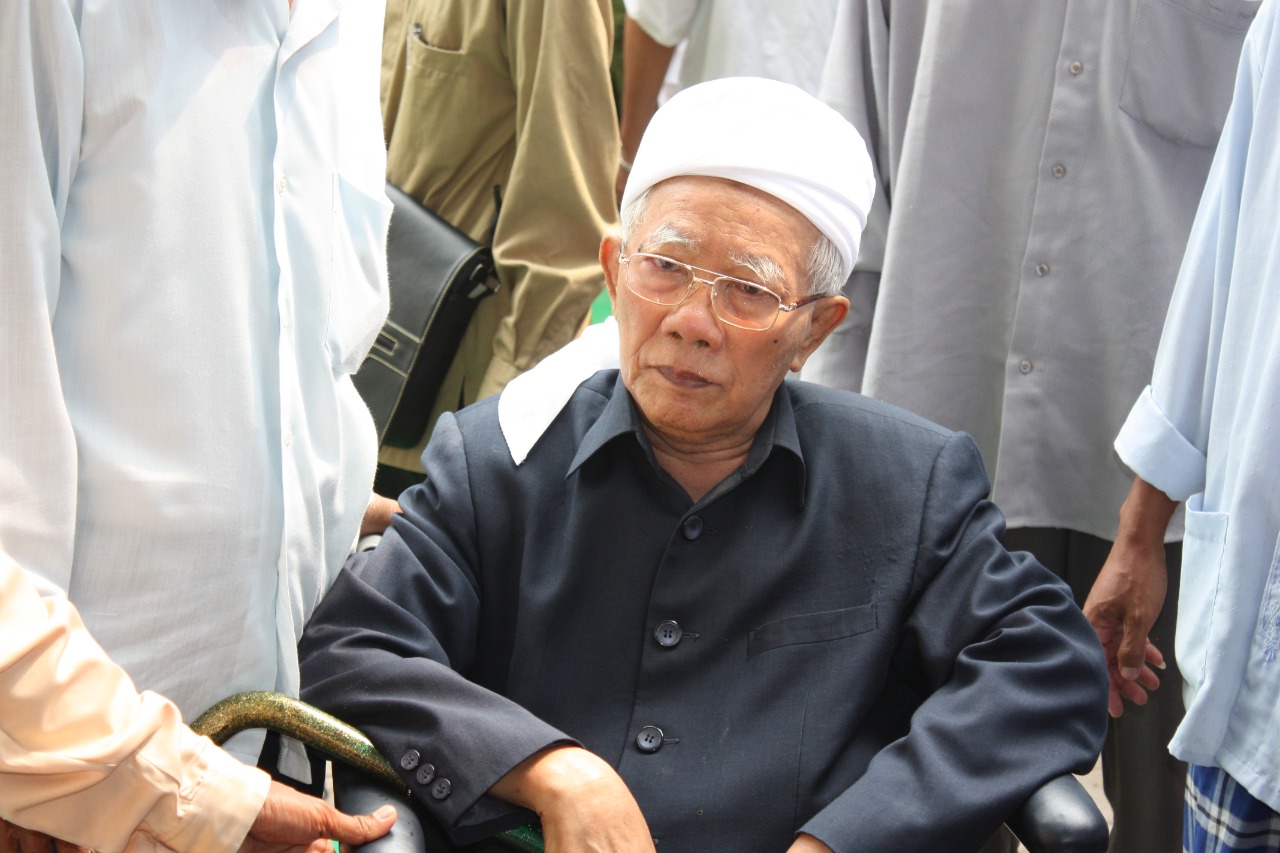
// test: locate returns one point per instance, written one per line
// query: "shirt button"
(441, 789)
(281, 184)
(410, 759)
(288, 437)
(425, 774)
(692, 527)
(1075, 67)
(1042, 270)
(667, 634)
(1059, 170)
(1024, 366)
(649, 740)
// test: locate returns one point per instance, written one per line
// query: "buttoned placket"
(1048, 262)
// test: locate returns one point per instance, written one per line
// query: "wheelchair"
(1060, 817)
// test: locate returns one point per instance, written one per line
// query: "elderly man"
(711, 610)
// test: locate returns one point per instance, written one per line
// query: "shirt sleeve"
(1012, 676)
(666, 21)
(1165, 439)
(86, 758)
(559, 202)
(391, 647)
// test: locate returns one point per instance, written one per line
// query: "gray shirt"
(1040, 164)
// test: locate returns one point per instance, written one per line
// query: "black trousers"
(1142, 781)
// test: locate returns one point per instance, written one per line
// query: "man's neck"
(697, 470)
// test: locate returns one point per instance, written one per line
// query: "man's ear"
(610, 247)
(827, 314)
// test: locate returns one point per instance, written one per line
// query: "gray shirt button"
(1059, 170)
(692, 527)
(649, 740)
(1075, 67)
(425, 774)
(668, 634)
(410, 759)
(1024, 366)
(441, 789)
(1042, 270)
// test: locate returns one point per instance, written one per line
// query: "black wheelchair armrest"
(1060, 817)
(407, 836)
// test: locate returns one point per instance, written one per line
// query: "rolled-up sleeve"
(1153, 449)
(86, 758)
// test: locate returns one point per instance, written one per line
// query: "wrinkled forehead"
(692, 211)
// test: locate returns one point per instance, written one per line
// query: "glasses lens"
(745, 304)
(658, 279)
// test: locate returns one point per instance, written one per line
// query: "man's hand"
(1128, 595)
(808, 844)
(377, 515)
(584, 805)
(17, 839)
(293, 822)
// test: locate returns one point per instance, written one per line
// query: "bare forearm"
(1145, 515)
(644, 65)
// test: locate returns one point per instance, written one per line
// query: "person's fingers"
(359, 829)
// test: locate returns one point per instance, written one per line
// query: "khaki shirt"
(514, 94)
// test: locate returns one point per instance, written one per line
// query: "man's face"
(698, 381)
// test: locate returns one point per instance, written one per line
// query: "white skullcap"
(769, 135)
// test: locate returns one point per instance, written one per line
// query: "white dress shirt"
(784, 41)
(191, 264)
(1207, 431)
(1041, 164)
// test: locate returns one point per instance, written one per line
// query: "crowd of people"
(636, 583)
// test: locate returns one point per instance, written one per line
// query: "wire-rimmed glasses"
(736, 301)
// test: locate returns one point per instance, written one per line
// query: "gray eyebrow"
(668, 235)
(766, 269)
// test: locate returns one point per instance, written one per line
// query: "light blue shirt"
(1207, 431)
(191, 265)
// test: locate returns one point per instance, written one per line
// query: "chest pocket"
(812, 628)
(1182, 65)
(358, 292)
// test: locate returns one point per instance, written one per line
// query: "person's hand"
(808, 844)
(18, 839)
(292, 822)
(377, 515)
(584, 805)
(1128, 595)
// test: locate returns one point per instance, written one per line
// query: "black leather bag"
(437, 277)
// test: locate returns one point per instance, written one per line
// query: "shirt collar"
(778, 431)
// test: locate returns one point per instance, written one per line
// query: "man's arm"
(1012, 676)
(389, 647)
(1129, 594)
(644, 66)
(85, 756)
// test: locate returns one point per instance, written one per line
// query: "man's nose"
(695, 319)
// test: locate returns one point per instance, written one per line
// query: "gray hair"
(822, 268)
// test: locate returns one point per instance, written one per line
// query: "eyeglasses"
(738, 302)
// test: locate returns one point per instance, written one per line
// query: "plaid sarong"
(1219, 816)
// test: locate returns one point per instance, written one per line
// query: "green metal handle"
(292, 717)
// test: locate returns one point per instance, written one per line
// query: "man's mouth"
(684, 378)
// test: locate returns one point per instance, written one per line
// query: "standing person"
(1040, 166)
(485, 94)
(193, 265)
(81, 749)
(716, 38)
(1204, 432)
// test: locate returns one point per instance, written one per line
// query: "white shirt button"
(1075, 67)
(281, 184)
